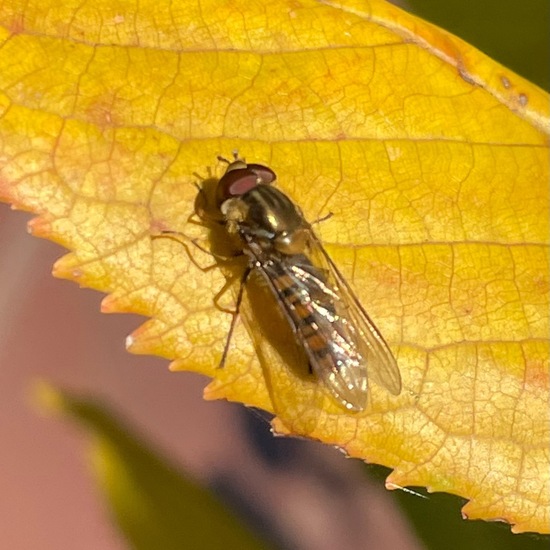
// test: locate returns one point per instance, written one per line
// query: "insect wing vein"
(314, 310)
(381, 364)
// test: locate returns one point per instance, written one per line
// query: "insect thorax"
(268, 217)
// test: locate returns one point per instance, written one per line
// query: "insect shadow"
(250, 300)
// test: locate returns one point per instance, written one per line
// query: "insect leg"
(235, 316)
(322, 219)
(180, 238)
(228, 284)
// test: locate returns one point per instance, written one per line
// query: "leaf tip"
(109, 304)
(64, 268)
(39, 227)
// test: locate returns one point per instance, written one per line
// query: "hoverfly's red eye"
(266, 175)
(235, 183)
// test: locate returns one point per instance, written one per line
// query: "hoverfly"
(342, 344)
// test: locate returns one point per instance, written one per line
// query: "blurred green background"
(517, 34)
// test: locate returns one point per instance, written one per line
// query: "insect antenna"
(235, 154)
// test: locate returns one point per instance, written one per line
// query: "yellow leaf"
(432, 158)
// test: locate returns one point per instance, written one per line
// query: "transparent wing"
(381, 364)
(340, 340)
